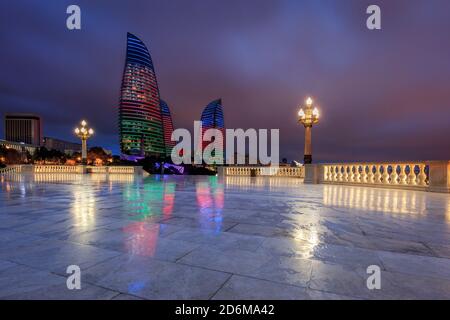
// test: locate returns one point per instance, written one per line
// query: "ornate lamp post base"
(307, 159)
(84, 152)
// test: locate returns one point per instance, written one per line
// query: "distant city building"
(212, 118)
(167, 127)
(23, 128)
(19, 146)
(140, 119)
(61, 145)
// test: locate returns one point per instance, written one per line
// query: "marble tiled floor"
(207, 238)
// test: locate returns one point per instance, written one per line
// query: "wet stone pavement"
(186, 237)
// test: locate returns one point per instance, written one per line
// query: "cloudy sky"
(384, 95)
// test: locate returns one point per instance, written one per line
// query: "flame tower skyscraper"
(140, 118)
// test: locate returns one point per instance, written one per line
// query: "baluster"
(394, 174)
(358, 174)
(412, 175)
(377, 176)
(422, 177)
(370, 176)
(402, 177)
(352, 173)
(325, 176)
(385, 174)
(368, 173)
(345, 178)
(364, 174)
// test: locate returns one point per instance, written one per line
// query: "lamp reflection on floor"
(308, 239)
(83, 207)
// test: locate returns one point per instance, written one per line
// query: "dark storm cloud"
(383, 94)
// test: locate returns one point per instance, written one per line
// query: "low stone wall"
(72, 169)
(431, 176)
(55, 169)
(11, 169)
(293, 172)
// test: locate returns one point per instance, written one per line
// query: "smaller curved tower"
(212, 118)
(167, 127)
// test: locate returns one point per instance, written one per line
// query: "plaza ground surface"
(206, 238)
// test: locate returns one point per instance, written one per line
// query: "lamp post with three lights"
(308, 116)
(84, 133)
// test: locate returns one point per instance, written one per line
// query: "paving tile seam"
(220, 288)
(241, 275)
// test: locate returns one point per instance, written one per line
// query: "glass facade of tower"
(212, 118)
(140, 119)
(167, 127)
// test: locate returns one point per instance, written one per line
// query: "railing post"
(83, 169)
(221, 171)
(439, 176)
(26, 168)
(314, 173)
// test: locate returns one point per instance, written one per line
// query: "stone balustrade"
(416, 175)
(394, 174)
(57, 169)
(11, 169)
(295, 172)
(127, 170)
(62, 169)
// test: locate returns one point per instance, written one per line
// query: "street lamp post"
(84, 133)
(308, 116)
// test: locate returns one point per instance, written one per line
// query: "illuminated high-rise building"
(212, 118)
(167, 127)
(140, 119)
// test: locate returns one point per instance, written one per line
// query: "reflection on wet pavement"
(187, 237)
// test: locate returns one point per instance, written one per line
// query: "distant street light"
(308, 117)
(84, 134)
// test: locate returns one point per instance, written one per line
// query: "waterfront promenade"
(236, 237)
